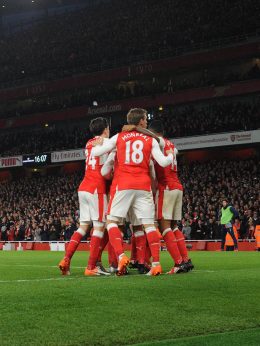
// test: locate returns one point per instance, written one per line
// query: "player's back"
(168, 176)
(133, 155)
(93, 181)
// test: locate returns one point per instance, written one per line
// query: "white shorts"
(169, 204)
(131, 218)
(139, 202)
(92, 207)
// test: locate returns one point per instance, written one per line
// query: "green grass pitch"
(216, 304)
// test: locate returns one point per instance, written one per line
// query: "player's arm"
(162, 160)
(161, 143)
(153, 177)
(148, 133)
(127, 128)
(108, 166)
(107, 146)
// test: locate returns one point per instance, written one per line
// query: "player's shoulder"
(90, 141)
(176, 151)
(165, 142)
(133, 136)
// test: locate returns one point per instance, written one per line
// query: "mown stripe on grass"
(245, 337)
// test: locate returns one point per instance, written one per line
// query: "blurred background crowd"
(180, 121)
(71, 42)
(46, 208)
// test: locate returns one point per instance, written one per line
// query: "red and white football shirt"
(168, 176)
(133, 156)
(93, 181)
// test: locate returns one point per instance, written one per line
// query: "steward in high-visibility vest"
(229, 241)
(257, 237)
(228, 213)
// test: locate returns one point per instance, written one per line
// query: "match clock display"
(39, 159)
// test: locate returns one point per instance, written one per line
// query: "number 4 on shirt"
(90, 160)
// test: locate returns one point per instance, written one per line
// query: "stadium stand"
(185, 120)
(213, 117)
(70, 43)
(150, 85)
(206, 183)
(28, 141)
(46, 208)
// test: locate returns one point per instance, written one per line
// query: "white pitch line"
(90, 277)
(65, 278)
(203, 271)
(34, 265)
(76, 267)
(36, 280)
(197, 271)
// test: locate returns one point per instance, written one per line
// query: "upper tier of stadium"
(115, 33)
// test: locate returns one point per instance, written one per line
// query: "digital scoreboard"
(37, 160)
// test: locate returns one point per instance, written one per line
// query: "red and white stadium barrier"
(192, 245)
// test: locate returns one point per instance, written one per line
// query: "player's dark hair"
(135, 115)
(98, 125)
(156, 126)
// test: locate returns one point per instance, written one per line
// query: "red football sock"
(112, 258)
(95, 244)
(103, 244)
(172, 246)
(133, 249)
(147, 254)
(140, 241)
(181, 244)
(73, 244)
(154, 243)
(115, 238)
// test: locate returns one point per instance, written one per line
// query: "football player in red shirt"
(109, 170)
(92, 203)
(169, 204)
(134, 152)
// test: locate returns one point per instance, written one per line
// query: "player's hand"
(98, 141)
(170, 151)
(127, 128)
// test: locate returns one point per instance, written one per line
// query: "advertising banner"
(218, 140)
(68, 155)
(14, 161)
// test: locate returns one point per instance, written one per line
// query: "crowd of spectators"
(205, 184)
(46, 208)
(120, 32)
(179, 121)
(45, 139)
(42, 208)
(151, 86)
(195, 120)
